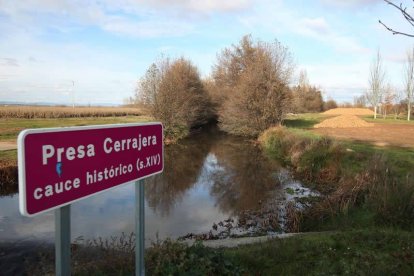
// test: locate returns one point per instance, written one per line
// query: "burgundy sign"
(62, 165)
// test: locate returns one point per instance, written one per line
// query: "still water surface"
(207, 178)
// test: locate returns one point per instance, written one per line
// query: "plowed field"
(379, 134)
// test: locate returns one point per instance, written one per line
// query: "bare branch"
(394, 32)
(409, 18)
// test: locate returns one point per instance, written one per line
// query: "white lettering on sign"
(71, 153)
(126, 144)
(57, 188)
(108, 173)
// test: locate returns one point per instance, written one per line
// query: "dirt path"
(381, 134)
(235, 242)
(7, 145)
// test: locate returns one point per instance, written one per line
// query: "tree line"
(383, 96)
(247, 92)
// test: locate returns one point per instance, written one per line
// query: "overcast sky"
(105, 46)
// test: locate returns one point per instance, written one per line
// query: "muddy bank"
(8, 179)
(274, 216)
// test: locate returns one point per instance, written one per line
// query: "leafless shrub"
(175, 95)
(253, 78)
(110, 255)
(377, 189)
(330, 104)
(293, 218)
(306, 98)
(100, 256)
(316, 160)
(8, 178)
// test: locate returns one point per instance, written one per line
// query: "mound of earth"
(349, 111)
(343, 121)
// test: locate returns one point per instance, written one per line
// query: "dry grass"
(315, 160)
(344, 121)
(375, 188)
(30, 112)
(8, 177)
(349, 111)
(293, 218)
(100, 256)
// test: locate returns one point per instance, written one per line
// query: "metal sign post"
(139, 228)
(62, 241)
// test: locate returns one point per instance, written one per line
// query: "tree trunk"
(409, 110)
(375, 112)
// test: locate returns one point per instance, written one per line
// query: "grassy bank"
(389, 120)
(305, 120)
(356, 252)
(380, 252)
(357, 154)
(400, 158)
(362, 186)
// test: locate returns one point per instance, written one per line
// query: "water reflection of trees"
(245, 182)
(248, 177)
(182, 165)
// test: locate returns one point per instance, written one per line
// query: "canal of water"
(213, 184)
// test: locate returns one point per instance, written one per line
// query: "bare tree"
(174, 94)
(409, 80)
(303, 79)
(408, 17)
(376, 82)
(388, 99)
(147, 88)
(360, 101)
(254, 78)
(330, 104)
(397, 102)
(306, 97)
